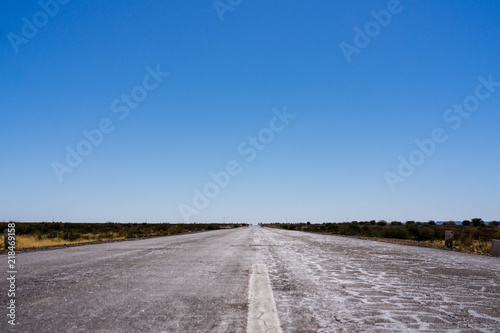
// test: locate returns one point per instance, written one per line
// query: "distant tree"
(308, 223)
(449, 223)
(396, 223)
(382, 223)
(466, 223)
(477, 222)
(494, 223)
(431, 222)
(410, 222)
(373, 222)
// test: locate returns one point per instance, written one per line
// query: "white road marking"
(262, 313)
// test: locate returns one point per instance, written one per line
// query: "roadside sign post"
(448, 239)
(495, 247)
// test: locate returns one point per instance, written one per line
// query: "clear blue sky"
(330, 163)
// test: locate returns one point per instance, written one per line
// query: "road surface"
(251, 280)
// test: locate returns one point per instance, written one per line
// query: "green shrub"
(412, 230)
(350, 229)
(211, 227)
(332, 227)
(130, 234)
(397, 232)
(52, 234)
(465, 240)
(425, 233)
(70, 236)
(477, 222)
(420, 232)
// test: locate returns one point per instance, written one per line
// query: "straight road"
(253, 279)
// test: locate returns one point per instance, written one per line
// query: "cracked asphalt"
(200, 283)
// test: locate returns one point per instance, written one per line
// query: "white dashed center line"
(262, 313)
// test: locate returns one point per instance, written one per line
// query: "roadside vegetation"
(43, 234)
(472, 236)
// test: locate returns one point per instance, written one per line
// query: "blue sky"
(353, 120)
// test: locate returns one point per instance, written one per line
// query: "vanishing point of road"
(253, 280)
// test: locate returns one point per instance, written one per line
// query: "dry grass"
(475, 246)
(29, 241)
(26, 241)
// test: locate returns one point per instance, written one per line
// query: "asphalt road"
(253, 279)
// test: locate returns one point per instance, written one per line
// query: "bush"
(130, 234)
(465, 240)
(397, 232)
(24, 228)
(419, 232)
(350, 229)
(477, 222)
(425, 234)
(332, 227)
(70, 236)
(213, 227)
(439, 232)
(412, 229)
(52, 234)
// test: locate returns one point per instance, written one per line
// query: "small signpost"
(495, 247)
(448, 239)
